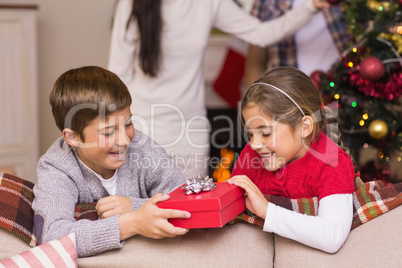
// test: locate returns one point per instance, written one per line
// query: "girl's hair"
(148, 15)
(278, 106)
(83, 94)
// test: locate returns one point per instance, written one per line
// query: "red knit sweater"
(324, 170)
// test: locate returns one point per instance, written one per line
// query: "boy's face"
(106, 142)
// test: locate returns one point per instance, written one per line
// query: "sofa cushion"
(376, 243)
(16, 215)
(238, 245)
(10, 245)
(56, 253)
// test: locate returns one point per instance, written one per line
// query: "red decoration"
(316, 78)
(335, 2)
(208, 209)
(371, 68)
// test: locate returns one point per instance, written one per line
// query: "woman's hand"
(255, 200)
(321, 4)
(151, 221)
(113, 205)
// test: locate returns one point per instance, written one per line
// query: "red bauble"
(335, 2)
(316, 79)
(371, 68)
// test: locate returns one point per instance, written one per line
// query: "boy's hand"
(255, 200)
(113, 205)
(321, 4)
(151, 221)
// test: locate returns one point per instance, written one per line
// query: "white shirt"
(316, 49)
(327, 231)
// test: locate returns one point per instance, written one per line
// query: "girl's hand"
(255, 200)
(113, 205)
(151, 221)
(321, 4)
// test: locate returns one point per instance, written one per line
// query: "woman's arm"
(232, 19)
(327, 231)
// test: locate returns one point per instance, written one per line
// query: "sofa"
(376, 243)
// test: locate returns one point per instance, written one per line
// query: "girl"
(290, 155)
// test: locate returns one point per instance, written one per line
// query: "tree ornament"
(371, 68)
(316, 79)
(378, 129)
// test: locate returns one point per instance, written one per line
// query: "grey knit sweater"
(64, 182)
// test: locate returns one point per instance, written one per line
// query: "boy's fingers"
(174, 213)
(158, 198)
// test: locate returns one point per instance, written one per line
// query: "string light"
(361, 123)
(365, 116)
(336, 96)
(399, 30)
(354, 104)
(399, 159)
(355, 49)
(331, 84)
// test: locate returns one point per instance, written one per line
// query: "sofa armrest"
(376, 243)
(238, 245)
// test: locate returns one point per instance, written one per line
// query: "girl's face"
(275, 142)
(106, 142)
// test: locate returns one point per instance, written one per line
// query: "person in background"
(101, 158)
(157, 49)
(315, 47)
(290, 154)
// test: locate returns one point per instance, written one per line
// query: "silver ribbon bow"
(198, 185)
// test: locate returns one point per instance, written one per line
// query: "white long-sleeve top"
(327, 231)
(179, 85)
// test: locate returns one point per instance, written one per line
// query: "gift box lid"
(222, 196)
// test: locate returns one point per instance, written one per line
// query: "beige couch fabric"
(377, 243)
(238, 245)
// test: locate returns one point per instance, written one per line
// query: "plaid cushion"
(16, 214)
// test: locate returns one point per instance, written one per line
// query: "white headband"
(280, 90)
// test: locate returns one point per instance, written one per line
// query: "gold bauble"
(378, 129)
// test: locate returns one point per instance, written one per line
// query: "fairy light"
(331, 84)
(361, 123)
(336, 96)
(380, 8)
(399, 159)
(354, 50)
(349, 64)
(354, 104)
(365, 116)
(399, 30)
(381, 155)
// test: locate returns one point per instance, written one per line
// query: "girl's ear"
(70, 137)
(307, 126)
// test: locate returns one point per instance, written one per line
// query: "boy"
(101, 158)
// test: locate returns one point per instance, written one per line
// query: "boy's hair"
(82, 94)
(278, 106)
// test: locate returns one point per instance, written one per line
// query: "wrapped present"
(210, 205)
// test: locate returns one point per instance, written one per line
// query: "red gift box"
(208, 209)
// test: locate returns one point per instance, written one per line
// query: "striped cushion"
(57, 253)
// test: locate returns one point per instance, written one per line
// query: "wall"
(71, 33)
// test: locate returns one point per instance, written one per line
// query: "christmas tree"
(366, 84)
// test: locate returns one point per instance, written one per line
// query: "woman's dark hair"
(148, 15)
